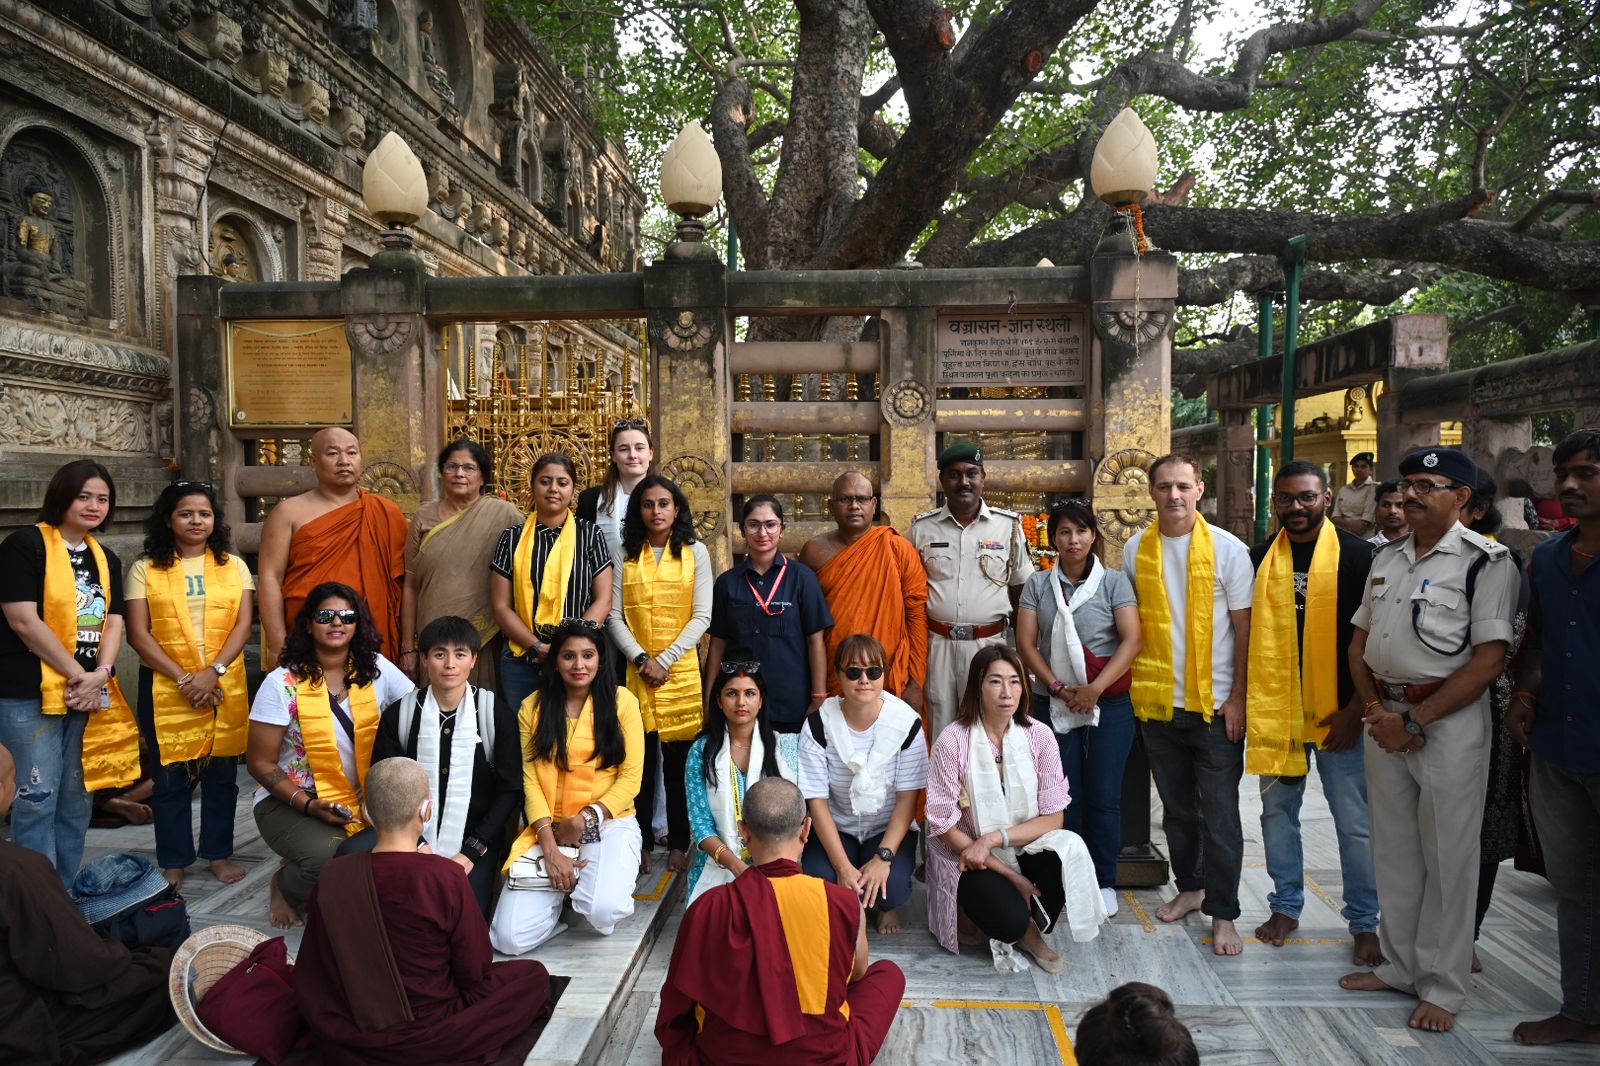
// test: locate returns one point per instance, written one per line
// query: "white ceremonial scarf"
(720, 799)
(445, 830)
(995, 808)
(869, 786)
(1066, 650)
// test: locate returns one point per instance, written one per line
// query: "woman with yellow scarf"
(190, 606)
(551, 567)
(61, 713)
(312, 727)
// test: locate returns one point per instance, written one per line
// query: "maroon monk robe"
(739, 991)
(462, 1008)
(66, 996)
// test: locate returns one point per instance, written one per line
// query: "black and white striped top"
(591, 558)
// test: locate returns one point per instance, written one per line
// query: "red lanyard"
(766, 604)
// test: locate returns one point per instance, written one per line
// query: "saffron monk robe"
(875, 584)
(395, 966)
(334, 532)
(748, 982)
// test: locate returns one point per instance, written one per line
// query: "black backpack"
(162, 921)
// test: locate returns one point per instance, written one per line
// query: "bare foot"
(133, 813)
(1033, 943)
(1555, 1030)
(1276, 929)
(1364, 982)
(174, 876)
(1477, 963)
(678, 861)
(1432, 1019)
(1225, 938)
(646, 863)
(227, 871)
(887, 922)
(1176, 908)
(1367, 950)
(282, 913)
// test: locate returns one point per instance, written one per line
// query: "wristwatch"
(220, 668)
(640, 659)
(886, 855)
(1412, 725)
(476, 846)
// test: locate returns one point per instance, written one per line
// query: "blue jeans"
(1344, 783)
(1093, 758)
(896, 891)
(1566, 810)
(51, 813)
(171, 801)
(519, 677)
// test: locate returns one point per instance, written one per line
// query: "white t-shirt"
(823, 775)
(1235, 585)
(610, 522)
(274, 705)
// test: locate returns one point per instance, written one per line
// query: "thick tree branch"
(1549, 200)
(1206, 286)
(731, 113)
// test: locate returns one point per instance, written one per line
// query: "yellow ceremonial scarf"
(322, 750)
(565, 792)
(1285, 702)
(111, 738)
(658, 602)
(1154, 686)
(185, 732)
(552, 584)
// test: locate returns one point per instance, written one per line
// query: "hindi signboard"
(289, 372)
(1023, 347)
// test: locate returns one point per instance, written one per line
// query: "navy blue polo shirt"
(1564, 626)
(775, 637)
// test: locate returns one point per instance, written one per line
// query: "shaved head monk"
(875, 584)
(334, 532)
(737, 991)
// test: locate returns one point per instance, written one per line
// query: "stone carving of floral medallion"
(1122, 493)
(906, 403)
(382, 334)
(515, 473)
(702, 482)
(686, 332)
(388, 479)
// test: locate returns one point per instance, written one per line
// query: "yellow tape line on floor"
(660, 889)
(1052, 1013)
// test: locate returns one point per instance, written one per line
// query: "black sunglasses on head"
(731, 668)
(326, 616)
(588, 625)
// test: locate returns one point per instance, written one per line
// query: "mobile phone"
(341, 810)
(105, 697)
(1041, 916)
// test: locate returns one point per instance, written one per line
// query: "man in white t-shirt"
(1196, 753)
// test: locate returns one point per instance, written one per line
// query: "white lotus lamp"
(1124, 167)
(394, 188)
(691, 185)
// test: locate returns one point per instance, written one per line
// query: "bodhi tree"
(1411, 141)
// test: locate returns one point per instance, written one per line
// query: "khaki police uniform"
(970, 571)
(1427, 807)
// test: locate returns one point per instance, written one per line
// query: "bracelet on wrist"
(186, 678)
(819, 695)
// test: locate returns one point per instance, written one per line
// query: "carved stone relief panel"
(61, 421)
(56, 258)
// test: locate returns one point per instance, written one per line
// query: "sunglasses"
(854, 673)
(630, 423)
(203, 486)
(731, 668)
(588, 625)
(327, 615)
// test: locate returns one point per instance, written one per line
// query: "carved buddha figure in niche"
(37, 269)
(230, 253)
(432, 69)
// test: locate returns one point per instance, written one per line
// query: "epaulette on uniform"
(1492, 548)
(927, 514)
(1003, 513)
(1389, 544)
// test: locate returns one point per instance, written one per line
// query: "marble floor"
(1267, 1006)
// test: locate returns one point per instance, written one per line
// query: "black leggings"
(675, 759)
(995, 906)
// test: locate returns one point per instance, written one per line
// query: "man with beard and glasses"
(1392, 523)
(1309, 582)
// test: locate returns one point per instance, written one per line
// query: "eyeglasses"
(461, 468)
(753, 525)
(630, 423)
(853, 673)
(859, 501)
(1304, 499)
(748, 666)
(327, 615)
(1423, 488)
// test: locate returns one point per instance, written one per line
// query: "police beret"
(1446, 462)
(1362, 457)
(963, 452)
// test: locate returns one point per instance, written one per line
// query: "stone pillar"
(399, 393)
(1486, 438)
(1398, 434)
(907, 452)
(180, 151)
(1236, 474)
(322, 225)
(686, 307)
(1130, 421)
(207, 447)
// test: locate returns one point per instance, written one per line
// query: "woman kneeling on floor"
(582, 763)
(1000, 867)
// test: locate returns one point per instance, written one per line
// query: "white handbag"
(531, 872)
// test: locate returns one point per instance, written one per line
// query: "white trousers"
(1427, 811)
(948, 662)
(526, 918)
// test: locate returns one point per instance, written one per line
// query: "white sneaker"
(1109, 897)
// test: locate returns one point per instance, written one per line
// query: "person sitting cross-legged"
(772, 968)
(395, 966)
